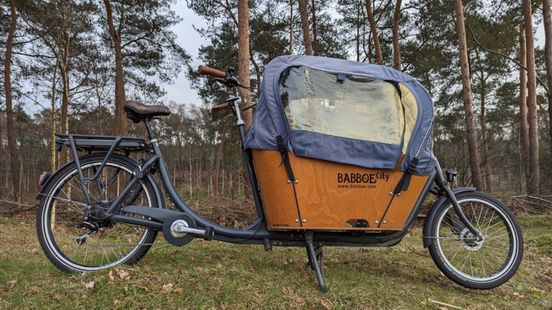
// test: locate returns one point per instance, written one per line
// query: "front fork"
(443, 185)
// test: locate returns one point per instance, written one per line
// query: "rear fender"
(433, 210)
(48, 178)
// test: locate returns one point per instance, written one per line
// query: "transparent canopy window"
(355, 107)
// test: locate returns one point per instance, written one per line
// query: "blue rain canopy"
(344, 111)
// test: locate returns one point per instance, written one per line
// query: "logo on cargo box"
(360, 180)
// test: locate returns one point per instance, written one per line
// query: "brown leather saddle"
(137, 111)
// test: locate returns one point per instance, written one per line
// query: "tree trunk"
(2, 173)
(20, 184)
(374, 30)
(121, 125)
(218, 158)
(523, 125)
(485, 139)
(531, 100)
(53, 152)
(190, 180)
(305, 24)
(290, 29)
(314, 29)
(396, 45)
(468, 103)
(548, 58)
(243, 66)
(243, 59)
(358, 8)
(10, 115)
(65, 106)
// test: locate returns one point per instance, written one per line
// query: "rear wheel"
(477, 264)
(70, 228)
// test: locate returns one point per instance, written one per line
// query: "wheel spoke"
(496, 237)
(108, 244)
(469, 258)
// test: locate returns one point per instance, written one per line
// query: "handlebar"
(211, 71)
(221, 106)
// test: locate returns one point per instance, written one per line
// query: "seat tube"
(151, 135)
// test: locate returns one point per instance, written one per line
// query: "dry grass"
(217, 275)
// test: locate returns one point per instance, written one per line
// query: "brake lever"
(230, 82)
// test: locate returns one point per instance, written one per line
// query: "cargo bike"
(339, 154)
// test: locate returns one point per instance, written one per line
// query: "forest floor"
(217, 275)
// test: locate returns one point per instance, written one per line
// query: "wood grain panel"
(325, 202)
(277, 194)
(332, 196)
(402, 204)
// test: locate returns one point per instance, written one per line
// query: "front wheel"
(472, 263)
(70, 227)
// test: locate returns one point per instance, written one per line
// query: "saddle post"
(151, 135)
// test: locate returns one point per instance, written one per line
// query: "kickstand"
(316, 260)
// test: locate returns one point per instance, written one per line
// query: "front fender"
(433, 210)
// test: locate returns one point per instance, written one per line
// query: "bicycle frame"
(256, 232)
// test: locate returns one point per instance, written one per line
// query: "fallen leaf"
(123, 274)
(34, 289)
(178, 290)
(518, 295)
(167, 288)
(89, 285)
(110, 274)
(327, 304)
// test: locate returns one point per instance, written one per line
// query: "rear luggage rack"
(91, 143)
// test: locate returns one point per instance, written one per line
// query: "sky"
(180, 90)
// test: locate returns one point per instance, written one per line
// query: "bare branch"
(541, 82)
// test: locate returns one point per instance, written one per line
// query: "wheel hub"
(96, 214)
(470, 241)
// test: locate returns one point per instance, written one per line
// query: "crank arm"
(188, 230)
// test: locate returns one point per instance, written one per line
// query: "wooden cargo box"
(333, 196)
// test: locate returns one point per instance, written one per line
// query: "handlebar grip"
(219, 107)
(210, 71)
